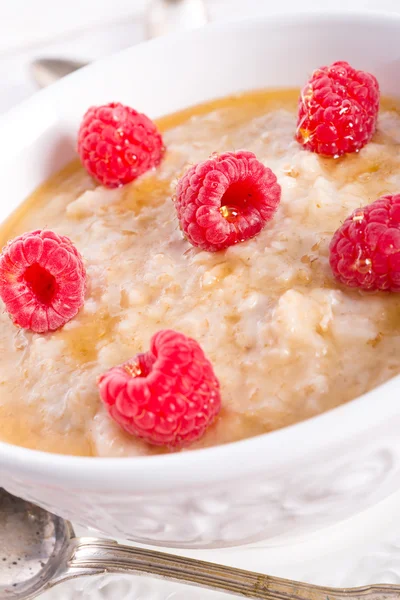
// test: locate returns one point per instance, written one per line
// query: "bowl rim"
(270, 450)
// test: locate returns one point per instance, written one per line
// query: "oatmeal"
(285, 339)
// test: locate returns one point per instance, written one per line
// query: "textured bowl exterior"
(275, 486)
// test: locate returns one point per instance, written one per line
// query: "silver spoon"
(163, 16)
(39, 550)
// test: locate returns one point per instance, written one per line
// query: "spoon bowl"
(32, 543)
(40, 550)
(161, 18)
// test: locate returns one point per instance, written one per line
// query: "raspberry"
(338, 110)
(42, 280)
(365, 250)
(225, 200)
(116, 144)
(167, 396)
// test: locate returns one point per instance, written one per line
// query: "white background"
(87, 29)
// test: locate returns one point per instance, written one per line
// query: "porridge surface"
(286, 341)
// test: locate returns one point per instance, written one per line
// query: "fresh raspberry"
(365, 250)
(42, 280)
(117, 144)
(167, 396)
(338, 110)
(226, 199)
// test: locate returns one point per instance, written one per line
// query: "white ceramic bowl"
(284, 483)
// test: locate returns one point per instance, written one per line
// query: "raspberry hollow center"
(42, 283)
(239, 197)
(141, 366)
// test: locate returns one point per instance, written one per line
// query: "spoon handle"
(166, 16)
(92, 556)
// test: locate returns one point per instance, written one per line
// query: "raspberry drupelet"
(338, 110)
(42, 280)
(116, 144)
(167, 396)
(365, 250)
(225, 200)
